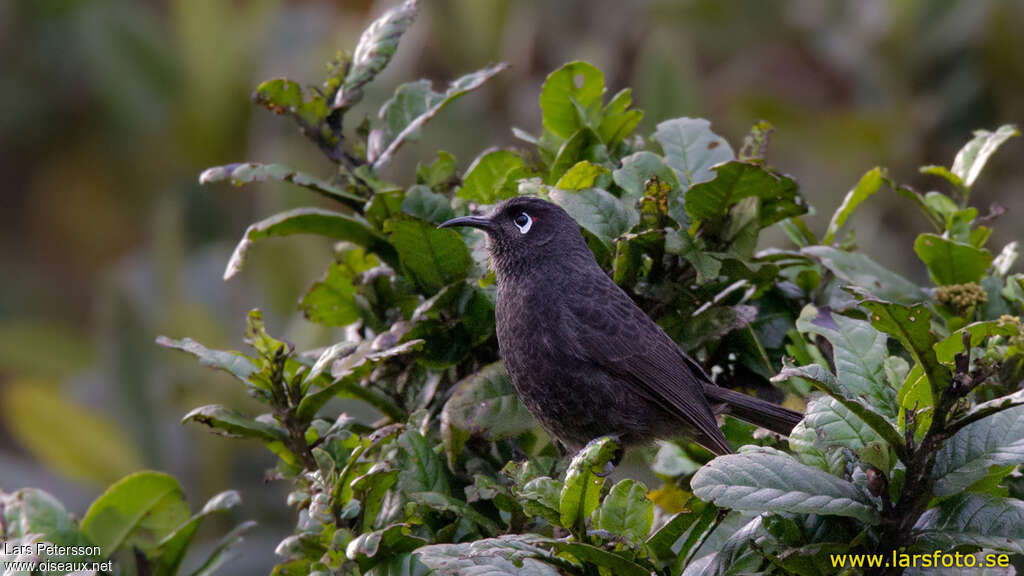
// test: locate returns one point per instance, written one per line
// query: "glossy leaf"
(414, 104)
(974, 520)
(626, 512)
(975, 154)
(311, 221)
(763, 480)
(951, 262)
(139, 511)
(431, 258)
(373, 52)
(735, 181)
(582, 487)
(859, 270)
(492, 177)
(484, 404)
(246, 172)
(569, 93)
(865, 188)
(171, 551)
(234, 424)
(997, 440)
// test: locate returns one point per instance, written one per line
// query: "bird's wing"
(608, 329)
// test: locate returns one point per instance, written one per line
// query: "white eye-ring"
(523, 222)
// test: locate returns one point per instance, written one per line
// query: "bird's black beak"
(479, 222)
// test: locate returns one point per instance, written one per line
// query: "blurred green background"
(109, 109)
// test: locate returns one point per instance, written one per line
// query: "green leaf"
(598, 212)
(430, 257)
(332, 300)
(235, 363)
(870, 415)
(627, 512)
(541, 497)
(370, 548)
(951, 262)
(675, 541)
(865, 188)
(72, 439)
(947, 349)
(440, 172)
(672, 461)
(734, 181)
(997, 440)
(31, 511)
(246, 172)
(610, 561)
(766, 480)
(859, 352)
(972, 157)
(139, 511)
(858, 270)
(171, 551)
(283, 96)
(224, 550)
(373, 52)
(312, 221)
(425, 204)
(836, 425)
(572, 91)
(911, 325)
(692, 250)
(943, 172)
(617, 121)
(461, 509)
(691, 149)
(349, 372)
(415, 103)
(419, 468)
(637, 169)
(584, 145)
(492, 177)
(582, 175)
(234, 424)
(508, 555)
(484, 404)
(581, 490)
(973, 520)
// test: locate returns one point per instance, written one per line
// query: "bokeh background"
(109, 109)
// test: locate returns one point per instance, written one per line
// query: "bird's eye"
(523, 222)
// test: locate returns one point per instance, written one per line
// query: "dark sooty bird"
(584, 358)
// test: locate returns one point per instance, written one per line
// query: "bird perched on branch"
(583, 357)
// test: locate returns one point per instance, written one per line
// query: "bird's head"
(524, 231)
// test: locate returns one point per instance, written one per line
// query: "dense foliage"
(913, 417)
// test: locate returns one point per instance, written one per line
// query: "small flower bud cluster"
(962, 296)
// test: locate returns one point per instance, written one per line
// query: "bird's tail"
(754, 410)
